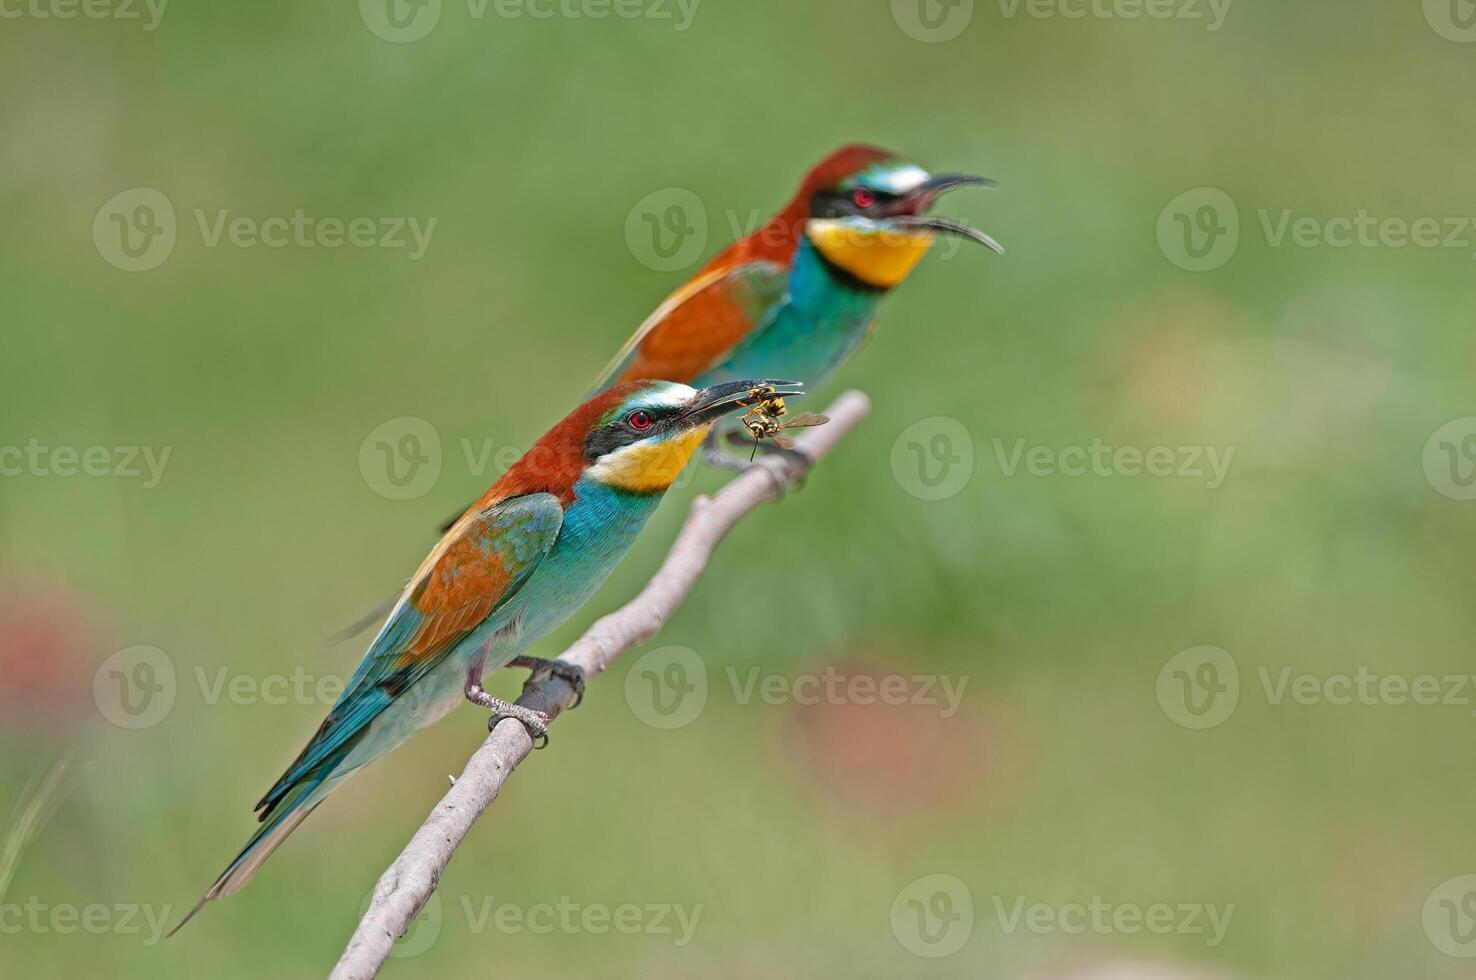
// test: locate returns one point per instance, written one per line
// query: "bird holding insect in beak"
(799, 295)
(517, 564)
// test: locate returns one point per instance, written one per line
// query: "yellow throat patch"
(879, 257)
(649, 467)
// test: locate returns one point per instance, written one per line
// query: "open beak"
(716, 401)
(911, 211)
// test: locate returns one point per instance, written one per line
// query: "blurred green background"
(1333, 545)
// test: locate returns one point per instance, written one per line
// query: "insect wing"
(804, 421)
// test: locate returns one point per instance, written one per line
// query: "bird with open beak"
(798, 296)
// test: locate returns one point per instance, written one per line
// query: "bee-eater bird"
(798, 296)
(517, 564)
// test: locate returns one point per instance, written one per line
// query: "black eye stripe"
(838, 204)
(619, 432)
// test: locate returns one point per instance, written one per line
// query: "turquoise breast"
(599, 528)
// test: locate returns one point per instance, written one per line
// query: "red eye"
(863, 197)
(640, 420)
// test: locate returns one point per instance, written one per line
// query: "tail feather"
(291, 811)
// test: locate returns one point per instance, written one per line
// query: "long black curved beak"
(718, 400)
(911, 211)
(948, 226)
(939, 183)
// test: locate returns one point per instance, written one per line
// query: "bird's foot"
(573, 674)
(535, 721)
(719, 460)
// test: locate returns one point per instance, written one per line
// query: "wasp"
(763, 415)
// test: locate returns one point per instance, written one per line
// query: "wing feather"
(474, 570)
(696, 326)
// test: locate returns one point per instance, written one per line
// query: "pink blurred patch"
(50, 641)
(898, 755)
